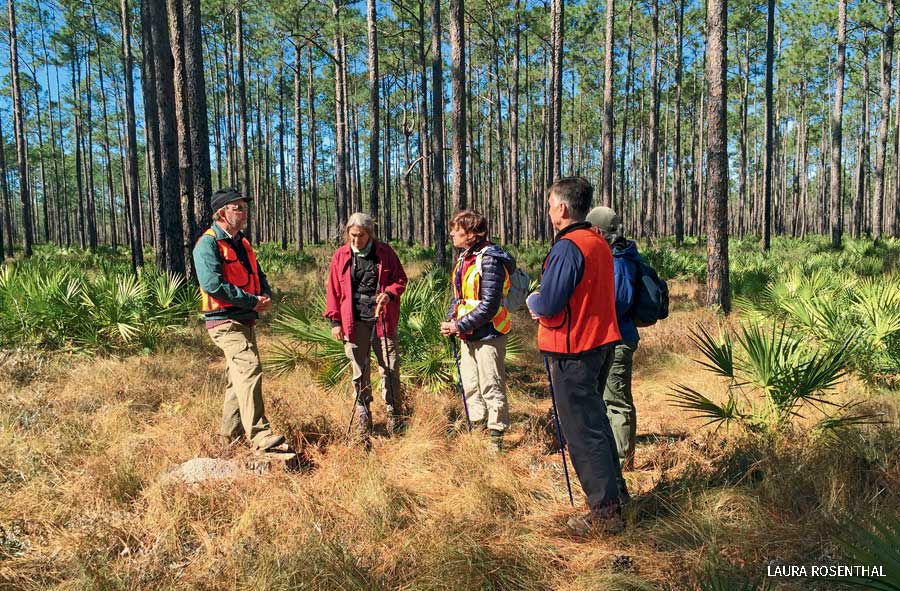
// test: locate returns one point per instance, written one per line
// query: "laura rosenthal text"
(829, 570)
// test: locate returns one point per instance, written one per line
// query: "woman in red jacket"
(365, 283)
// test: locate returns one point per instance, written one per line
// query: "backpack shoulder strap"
(636, 287)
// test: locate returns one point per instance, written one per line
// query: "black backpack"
(651, 296)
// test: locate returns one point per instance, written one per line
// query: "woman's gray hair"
(362, 220)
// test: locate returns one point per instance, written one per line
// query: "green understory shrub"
(51, 306)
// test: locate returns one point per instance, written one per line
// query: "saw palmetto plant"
(51, 306)
(826, 309)
(773, 378)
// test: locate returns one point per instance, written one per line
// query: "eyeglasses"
(237, 208)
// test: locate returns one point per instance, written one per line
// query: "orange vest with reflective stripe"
(589, 319)
(233, 272)
(469, 298)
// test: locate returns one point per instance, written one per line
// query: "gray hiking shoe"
(363, 420)
(392, 424)
(496, 439)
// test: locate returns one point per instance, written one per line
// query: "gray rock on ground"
(207, 469)
(202, 470)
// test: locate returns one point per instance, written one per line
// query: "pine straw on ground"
(83, 442)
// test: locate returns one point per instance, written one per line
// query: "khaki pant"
(482, 365)
(365, 339)
(242, 412)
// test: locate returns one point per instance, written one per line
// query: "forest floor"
(84, 442)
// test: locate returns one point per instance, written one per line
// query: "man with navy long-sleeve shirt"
(577, 332)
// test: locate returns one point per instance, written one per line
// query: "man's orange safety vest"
(233, 272)
(589, 319)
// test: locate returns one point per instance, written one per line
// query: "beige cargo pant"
(482, 365)
(365, 339)
(242, 412)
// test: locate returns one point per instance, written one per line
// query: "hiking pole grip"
(389, 386)
(462, 392)
(559, 437)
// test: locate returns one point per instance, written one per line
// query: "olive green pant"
(482, 365)
(620, 403)
(242, 412)
(365, 341)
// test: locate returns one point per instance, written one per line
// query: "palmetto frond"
(52, 305)
(702, 407)
(425, 356)
(876, 543)
(719, 352)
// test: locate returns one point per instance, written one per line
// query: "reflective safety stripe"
(470, 287)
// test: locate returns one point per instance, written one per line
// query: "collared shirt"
(563, 270)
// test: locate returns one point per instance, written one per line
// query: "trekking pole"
(389, 386)
(462, 392)
(353, 408)
(559, 437)
(356, 388)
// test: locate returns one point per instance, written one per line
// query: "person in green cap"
(617, 395)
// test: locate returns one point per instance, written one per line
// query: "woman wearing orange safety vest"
(481, 279)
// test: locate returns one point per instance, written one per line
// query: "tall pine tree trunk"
(718, 291)
(887, 54)
(677, 170)
(606, 175)
(298, 154)
(89, 163)
(341, 127)
(245, 185)
(424, 142)
(4, 193)
(653, 152)
(166, 192)
(458, 84)
(437, 136)
(374, 114)
(862, 161)
(629, 75)
(514, 134)
(113, 236)
(554, 143)
(198, 113)
(313, 163)
(182, 118)
(770, 128)
(836, 221)
(19, 119)
(132, 182)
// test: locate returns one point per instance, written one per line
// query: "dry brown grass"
(83, 443)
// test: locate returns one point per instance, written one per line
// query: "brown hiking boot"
(592, 524)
